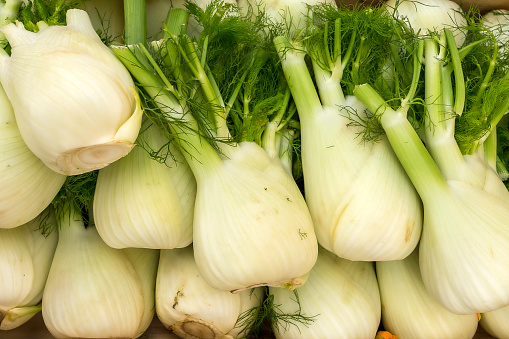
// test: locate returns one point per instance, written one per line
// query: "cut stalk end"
(196, 328)
(90, 158)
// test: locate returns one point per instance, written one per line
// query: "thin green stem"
(216, 101)
(270, 140)
(298, 78)
(459, 79)
(287, 136)
(199, 153)
(416, 72)
(349, 51)
(439, 129)
(135, 27)
(487, 78)
(167, 85)
(490, 150)
(328, 58)
(176, 21)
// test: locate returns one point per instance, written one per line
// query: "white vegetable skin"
(345, 177)
(25, 259)
(93, 291)
(293, 13)
(344, 181)
(498, 22)
(251, 223)
(463, 254)
(83, 111)
(140, 202)
(27, 186)
(495, 322)
(187, 305)
(145, 263)
(465, 265)
(430, 16)
(409, 311)
(342, 297)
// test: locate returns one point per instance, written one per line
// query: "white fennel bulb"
(498, 22)
(339, 300)
(251, 227)
(27, 186)
(495, 322)
(145, 264)
(93, 290)
(140, 202)
(409, 311)
(83, 111)
(343, 176)
(26, 254)
(466, 268)
(188, 306)
(463, 256)
(293, 13)
(429, 16)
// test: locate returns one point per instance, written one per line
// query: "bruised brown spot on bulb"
(408, 233)
(177, 298)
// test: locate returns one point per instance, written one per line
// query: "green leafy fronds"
(105, 27)
(487, 89)
(242, 65)
(357, 39)
(52, 12)
(47, 224)
(252, 321)
(371, 128)
(260, 98)
(268, 313)
(281, 321)
(78, 193)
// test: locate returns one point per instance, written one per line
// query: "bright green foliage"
(52, 12)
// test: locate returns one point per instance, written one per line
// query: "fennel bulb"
(251, 226)
(140, 202)
(498, 22)
(292, 13)
(70, 122)
(495, 322)
(409, 311)
(27, 186)
(188, 306)
(339, 300)
(428, 16)
(344, 176)
(26, 254)
(463, 252)
(95, 291)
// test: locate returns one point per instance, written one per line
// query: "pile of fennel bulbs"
(201, 222)
(251, 225)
